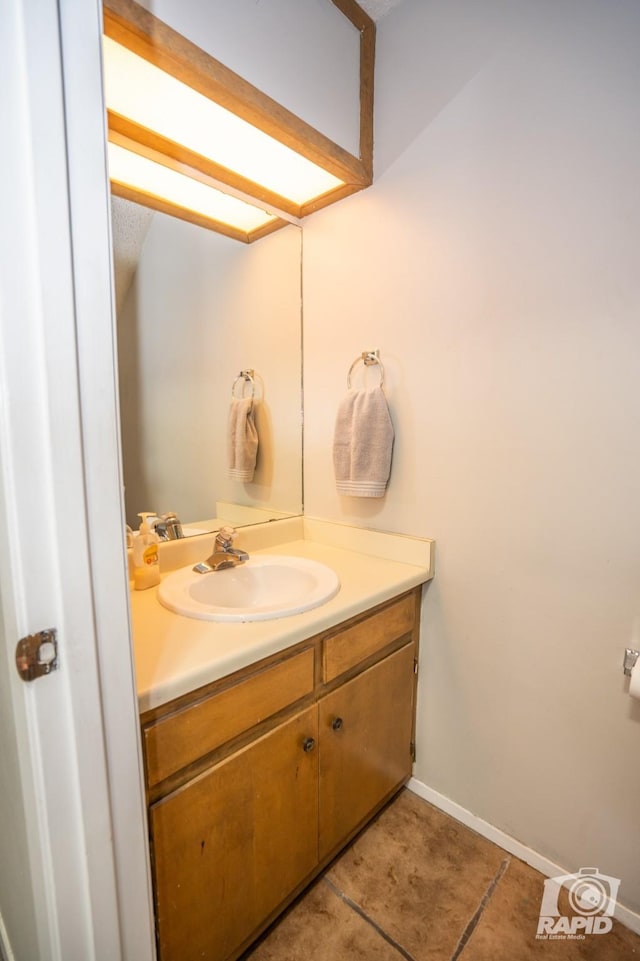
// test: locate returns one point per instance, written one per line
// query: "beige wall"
(496, 265)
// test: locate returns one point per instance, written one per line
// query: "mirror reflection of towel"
(242, 439)
(363, 444)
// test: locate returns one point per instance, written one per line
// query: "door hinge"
(37, 654)
(415, 665)
(412, 750)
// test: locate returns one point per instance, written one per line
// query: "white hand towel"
(242, 439)
(363, 444)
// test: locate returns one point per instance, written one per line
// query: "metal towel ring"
(246, 376)
(369, 358)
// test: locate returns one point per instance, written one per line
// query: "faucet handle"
(225, 537)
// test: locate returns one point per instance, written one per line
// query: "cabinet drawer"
(173, 742)
(355, 644)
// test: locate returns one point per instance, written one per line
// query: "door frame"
(61, 505)
(90, 197)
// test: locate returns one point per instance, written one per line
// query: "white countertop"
(176, 654)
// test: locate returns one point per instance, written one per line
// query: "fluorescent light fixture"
(141, 174)
(176, 114)
(153, 99)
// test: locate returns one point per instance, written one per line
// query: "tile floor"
(419, 886)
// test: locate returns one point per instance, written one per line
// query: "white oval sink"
(264, 587)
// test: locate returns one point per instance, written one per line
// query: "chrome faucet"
(174, 527)
(167, 527)
(224, 554)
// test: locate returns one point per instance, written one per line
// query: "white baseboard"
(624, 915)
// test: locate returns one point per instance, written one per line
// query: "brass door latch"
(37, 654)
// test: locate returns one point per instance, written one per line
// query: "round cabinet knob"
(337, 723)
(308, 744)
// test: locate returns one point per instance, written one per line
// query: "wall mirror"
(194, 309)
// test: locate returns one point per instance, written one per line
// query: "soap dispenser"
(146, 569)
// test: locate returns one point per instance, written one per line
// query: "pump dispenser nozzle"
(145, 526)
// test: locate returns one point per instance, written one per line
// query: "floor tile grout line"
(365, 917)
(473, 923)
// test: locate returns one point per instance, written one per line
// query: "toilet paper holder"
(630, 658)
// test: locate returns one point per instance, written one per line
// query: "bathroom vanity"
(257, 778)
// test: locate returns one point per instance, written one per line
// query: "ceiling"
(378, 8)
(129, 224)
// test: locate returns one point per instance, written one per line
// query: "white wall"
(201, 308)
(496, 265)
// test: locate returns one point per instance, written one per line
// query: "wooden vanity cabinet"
(365, 745)
(292, 757)
(233, 843)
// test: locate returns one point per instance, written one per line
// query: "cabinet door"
(230, 845)
(365, 745)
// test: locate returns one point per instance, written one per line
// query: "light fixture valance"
(189, 136)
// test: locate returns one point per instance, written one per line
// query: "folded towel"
(363, 444)
(242, 439)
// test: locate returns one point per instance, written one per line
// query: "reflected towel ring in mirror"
(246, 376)
(369, 358)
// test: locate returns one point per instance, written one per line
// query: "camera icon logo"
(592, 899)
(590, 893)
